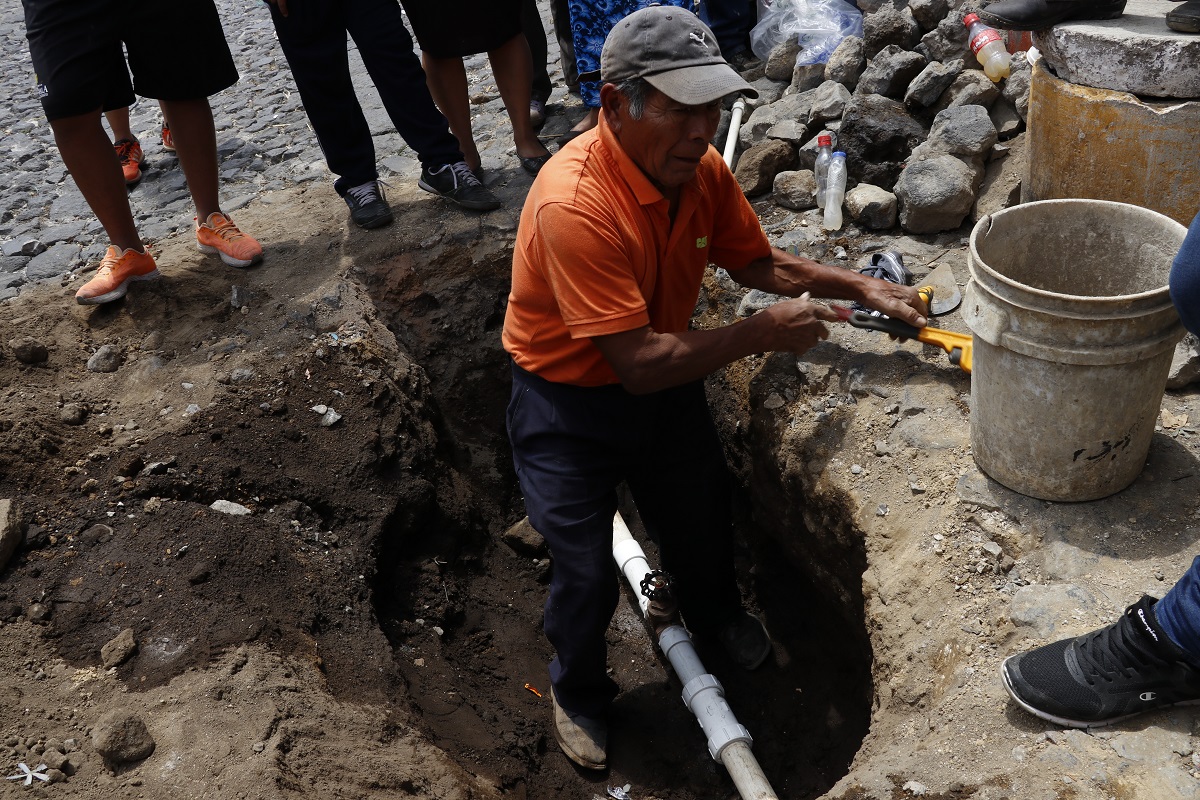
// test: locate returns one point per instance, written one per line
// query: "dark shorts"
(176, 51)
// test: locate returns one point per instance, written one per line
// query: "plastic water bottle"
(824, 155)
(988, 48)
(835, 192)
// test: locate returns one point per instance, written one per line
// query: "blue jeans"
(1179, 612)
(1185, 279)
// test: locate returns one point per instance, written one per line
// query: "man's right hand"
(798, 324)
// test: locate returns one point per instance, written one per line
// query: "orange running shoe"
(129, 151)
(117, 270)
(167, 139)
(219, 234)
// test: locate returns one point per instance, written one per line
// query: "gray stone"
(928, 13)
(847, 62)
(1005, 119)
(1185, 364)
(925, 89)
(768, 92)
(57, 260)
(962, 131)
(758, 166)
(1001, 187)
(878, 135)
(890, 26)
(524, 540)
(788, 130)
(872, 207)
(890, 72)
(73, 414)
(795, 189)
(947, 42)
(935, 194)
(1045, 608)
(1136, 53)
(29, 351)
(1016, 85)
(108, 358)
(121, 737)
(782, 60)
(971, 87)
(229, 507)
(828, 102)
(806, 77)
(12, 531)
(793, 106)
(756, 300)
(52, 759)
(118, 649)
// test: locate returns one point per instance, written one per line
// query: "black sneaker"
(456, 182)
(1185, 18)
(1036, 15)
(368, 206)
(1103, 676)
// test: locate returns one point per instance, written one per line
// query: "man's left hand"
(898, 302)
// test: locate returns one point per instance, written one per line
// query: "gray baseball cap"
(674, 52)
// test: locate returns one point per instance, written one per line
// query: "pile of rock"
(929, 139)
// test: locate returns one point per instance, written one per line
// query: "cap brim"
(695, 86)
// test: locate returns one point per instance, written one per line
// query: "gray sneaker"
(746, 640)
(583, 739)
(456, 182)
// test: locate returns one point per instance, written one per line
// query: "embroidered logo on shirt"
(702, 242)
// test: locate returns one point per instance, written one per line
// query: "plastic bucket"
(1073, 336)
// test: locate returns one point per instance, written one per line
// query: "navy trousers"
(572, 446)
(313, 39)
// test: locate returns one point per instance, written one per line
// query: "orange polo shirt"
(597, 253)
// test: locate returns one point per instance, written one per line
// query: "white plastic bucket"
(1073, 336)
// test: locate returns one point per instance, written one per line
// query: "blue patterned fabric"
(591, 20)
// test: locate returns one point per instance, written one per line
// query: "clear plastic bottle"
(821, 168)
(835, 192)
(988, 48)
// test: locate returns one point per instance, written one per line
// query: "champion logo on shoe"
(1146, 624)
(1148, 696)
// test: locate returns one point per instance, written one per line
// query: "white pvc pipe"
(728, 741)
(735, 124)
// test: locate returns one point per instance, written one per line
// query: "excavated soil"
(369, 583)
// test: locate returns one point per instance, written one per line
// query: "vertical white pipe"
(728, 741)
(735, 125)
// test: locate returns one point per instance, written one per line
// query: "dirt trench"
(463, 610)
(371, 559)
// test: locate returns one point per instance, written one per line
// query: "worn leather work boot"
(1034, 15)
(583, 739)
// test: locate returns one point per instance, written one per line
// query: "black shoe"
(1186, 18)
(1034, 15)
(746, 641)
(1103, 676)
(456, 182)
(368, 206)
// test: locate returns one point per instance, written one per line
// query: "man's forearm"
(791, 276)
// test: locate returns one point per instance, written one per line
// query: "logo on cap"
(699, 37)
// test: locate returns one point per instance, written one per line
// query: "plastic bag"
(818, 25)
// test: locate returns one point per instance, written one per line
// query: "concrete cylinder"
(1109, 145)
(1073, 336)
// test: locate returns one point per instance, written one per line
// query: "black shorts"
(177, 51)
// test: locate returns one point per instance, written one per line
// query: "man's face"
(669, 140)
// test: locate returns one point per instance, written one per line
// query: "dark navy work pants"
(313, 39)
(572, 446)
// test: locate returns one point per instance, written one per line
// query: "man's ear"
(611, 103)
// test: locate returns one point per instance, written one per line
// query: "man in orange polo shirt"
(607, 378)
